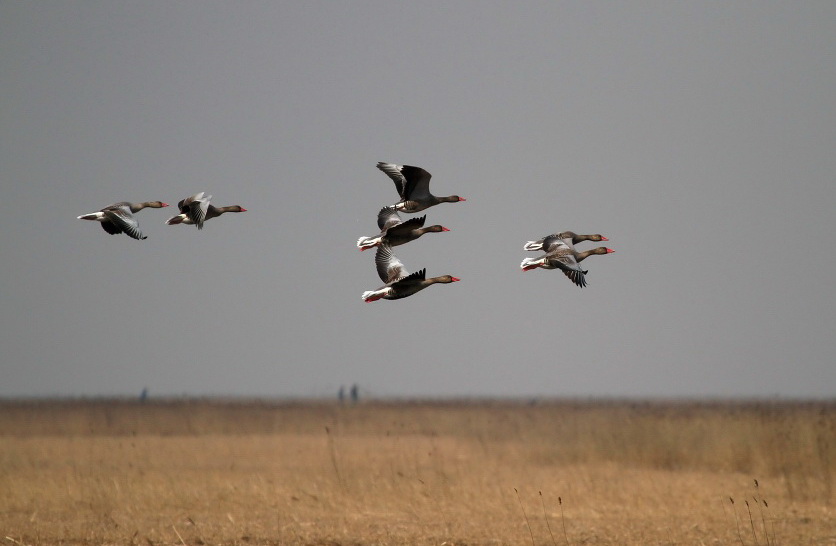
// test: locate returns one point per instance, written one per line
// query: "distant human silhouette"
(143, 396)
(355, 395)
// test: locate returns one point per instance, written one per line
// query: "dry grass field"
(207, 472)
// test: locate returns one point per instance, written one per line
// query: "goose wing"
(389, 267)
(564, 259)
(417, 182)
(410, 281)
(121, 219)
(195, 208)
(388, 217)
(408, 225)
(394, 172)
(110, 227)
(410, 181)
(577, 277)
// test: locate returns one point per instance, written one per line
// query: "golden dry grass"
(227, 472)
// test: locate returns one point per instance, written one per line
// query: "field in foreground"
(230, 472)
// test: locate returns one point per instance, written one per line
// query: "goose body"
(394, 231)
(413, 185)
(568, 237)
(211, 212)
(119, 217)
(399, 282)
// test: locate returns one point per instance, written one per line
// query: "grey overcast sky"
(700, 137)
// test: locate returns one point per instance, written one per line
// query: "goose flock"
(413, 185)
(194, 210)
(560, 254)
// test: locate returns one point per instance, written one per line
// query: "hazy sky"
(700, 137)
